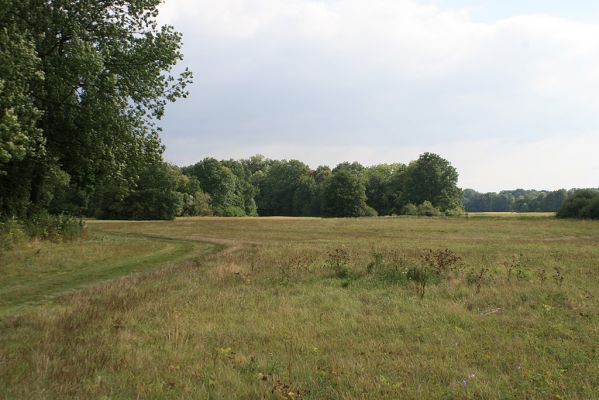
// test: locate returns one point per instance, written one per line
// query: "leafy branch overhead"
(83, 85)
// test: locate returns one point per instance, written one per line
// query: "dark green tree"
(345, 196)
(581, 204)
(432, 178)
(286, 189)
(221, 184)
(94, 78)
(384, 186)
(154, 197)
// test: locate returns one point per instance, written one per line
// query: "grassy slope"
(266, 318)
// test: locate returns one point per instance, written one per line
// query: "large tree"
(93, 78)
(221, 184)
(345, 195)
(288, 188)
(432, 178)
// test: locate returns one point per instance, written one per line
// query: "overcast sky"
(507, 91)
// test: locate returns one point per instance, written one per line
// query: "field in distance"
(306, 308)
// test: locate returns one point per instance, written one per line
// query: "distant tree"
(286, 189)
(432, 178)
(322, 173)
(519, 200)
(345, 196)
(221, 184)
(194, 200)
(354, 167)
(244, 188)
(256, 164)
(581, 204)
(384, 186)
(377, 180)
(154, 197)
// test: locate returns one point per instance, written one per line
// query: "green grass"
(41, 271)
(260, 313)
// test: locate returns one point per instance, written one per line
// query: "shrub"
(11, 233)
(410, 209)
(441, 261)
(230, 211)
(390, 272)
(338, 262)
(369, 212)
(44, 226)
(426, 209)
(421, 276)
(454, 212)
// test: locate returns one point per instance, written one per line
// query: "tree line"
(518, 200)
(260, 186)
(83, 85)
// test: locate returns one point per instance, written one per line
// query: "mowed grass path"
(41, 271)
(266, 317)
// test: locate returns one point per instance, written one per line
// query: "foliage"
(288, 188)
(393, 271)
(344, 195)
(519, 200)
(154, 197)
(40, 226)
(222, 185)
(410, 209)
(44, 226)
(433, 179)
(338, 263)
(11, 233)
(454, 212)
(82, 86)
(581, 204)
(384, 186)
(426, 209)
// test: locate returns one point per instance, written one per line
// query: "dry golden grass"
(267, 317)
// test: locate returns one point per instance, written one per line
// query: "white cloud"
(382, 80)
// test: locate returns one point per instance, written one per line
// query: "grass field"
(283, 308)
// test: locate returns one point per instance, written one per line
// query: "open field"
(274, 308)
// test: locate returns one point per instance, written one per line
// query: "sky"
(507, 91)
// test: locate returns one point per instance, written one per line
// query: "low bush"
(410, 209)
(426, 209)
(42, 226)
(388, 272)
(11, 233)
(230, 211)
(338, 263)
(454, 212)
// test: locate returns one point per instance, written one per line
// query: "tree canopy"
(82, 86)
(582, 204)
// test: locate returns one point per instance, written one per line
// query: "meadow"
(488, 306)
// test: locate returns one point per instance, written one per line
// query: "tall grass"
(41, 226)
(315, 309)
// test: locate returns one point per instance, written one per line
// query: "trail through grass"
(42, 271)
(262, 314)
